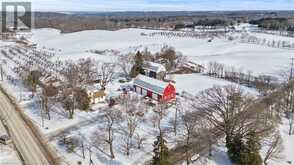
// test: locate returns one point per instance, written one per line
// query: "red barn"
(155, 89)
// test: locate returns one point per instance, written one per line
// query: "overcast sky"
(159, 5)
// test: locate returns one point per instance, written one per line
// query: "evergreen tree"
(235, 147)
(161, 154)
(138, 66)
(251, 153)
(244, 153)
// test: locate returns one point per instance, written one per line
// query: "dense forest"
(274, 23)
(75, 21)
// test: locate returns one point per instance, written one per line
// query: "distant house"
(155, 89)
(7, 35)
(154, 70)
(49, 81)
(95, 93)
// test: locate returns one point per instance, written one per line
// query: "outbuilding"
(155, 89)
(154, 70)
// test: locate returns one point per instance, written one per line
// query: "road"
(30, 145)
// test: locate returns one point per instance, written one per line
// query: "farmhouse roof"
(151, 84)
(93, 88)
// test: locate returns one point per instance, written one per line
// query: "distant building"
(196, 68)
(25, 43)
(7, 35)
(95, 93)
(49, 80)
(188, 68)
(155, 89)
(154, 70)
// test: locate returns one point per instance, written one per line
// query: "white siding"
(154, 96)
(144, 92)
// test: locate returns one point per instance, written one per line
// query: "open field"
(247, 57)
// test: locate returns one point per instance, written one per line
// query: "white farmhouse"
(96, 94)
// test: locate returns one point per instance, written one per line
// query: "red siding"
(149, 93)
(169, 93)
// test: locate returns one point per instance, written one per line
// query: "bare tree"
(86, 70)
(275, 147)
(71, 73)
(133, 108)
(161, 111)
(110, 119)
(44, 102)
(99, 141)
(68, 103)
(82, 139)
(191, 122)
(291, 122)
(175, 121)
(140, 140)
(2, 62)
(126, 62)
(106, 72)
(224, 107)
(47, 93)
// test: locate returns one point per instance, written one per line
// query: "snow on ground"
(259, 59)
(273, 37)
(195, 83)
(219, 156)
(288, 144)
(8, 155)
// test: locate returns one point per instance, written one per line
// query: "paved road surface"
(31, 148)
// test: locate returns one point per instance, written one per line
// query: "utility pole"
(1, 69)
(42, 106)
(290, 92)
(178, 104)
(82, 145)
(291, 70)
(90, 155)
(20, 92)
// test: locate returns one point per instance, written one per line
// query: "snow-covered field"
(248, 57)
(195, 83)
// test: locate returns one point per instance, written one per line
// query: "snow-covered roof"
(94, 88)
(193, 64)
(155, 67)
(151, 84)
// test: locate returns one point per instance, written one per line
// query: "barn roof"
(151, 84)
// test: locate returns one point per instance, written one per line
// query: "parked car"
(5, 139)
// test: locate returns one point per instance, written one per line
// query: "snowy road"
(27, 141)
